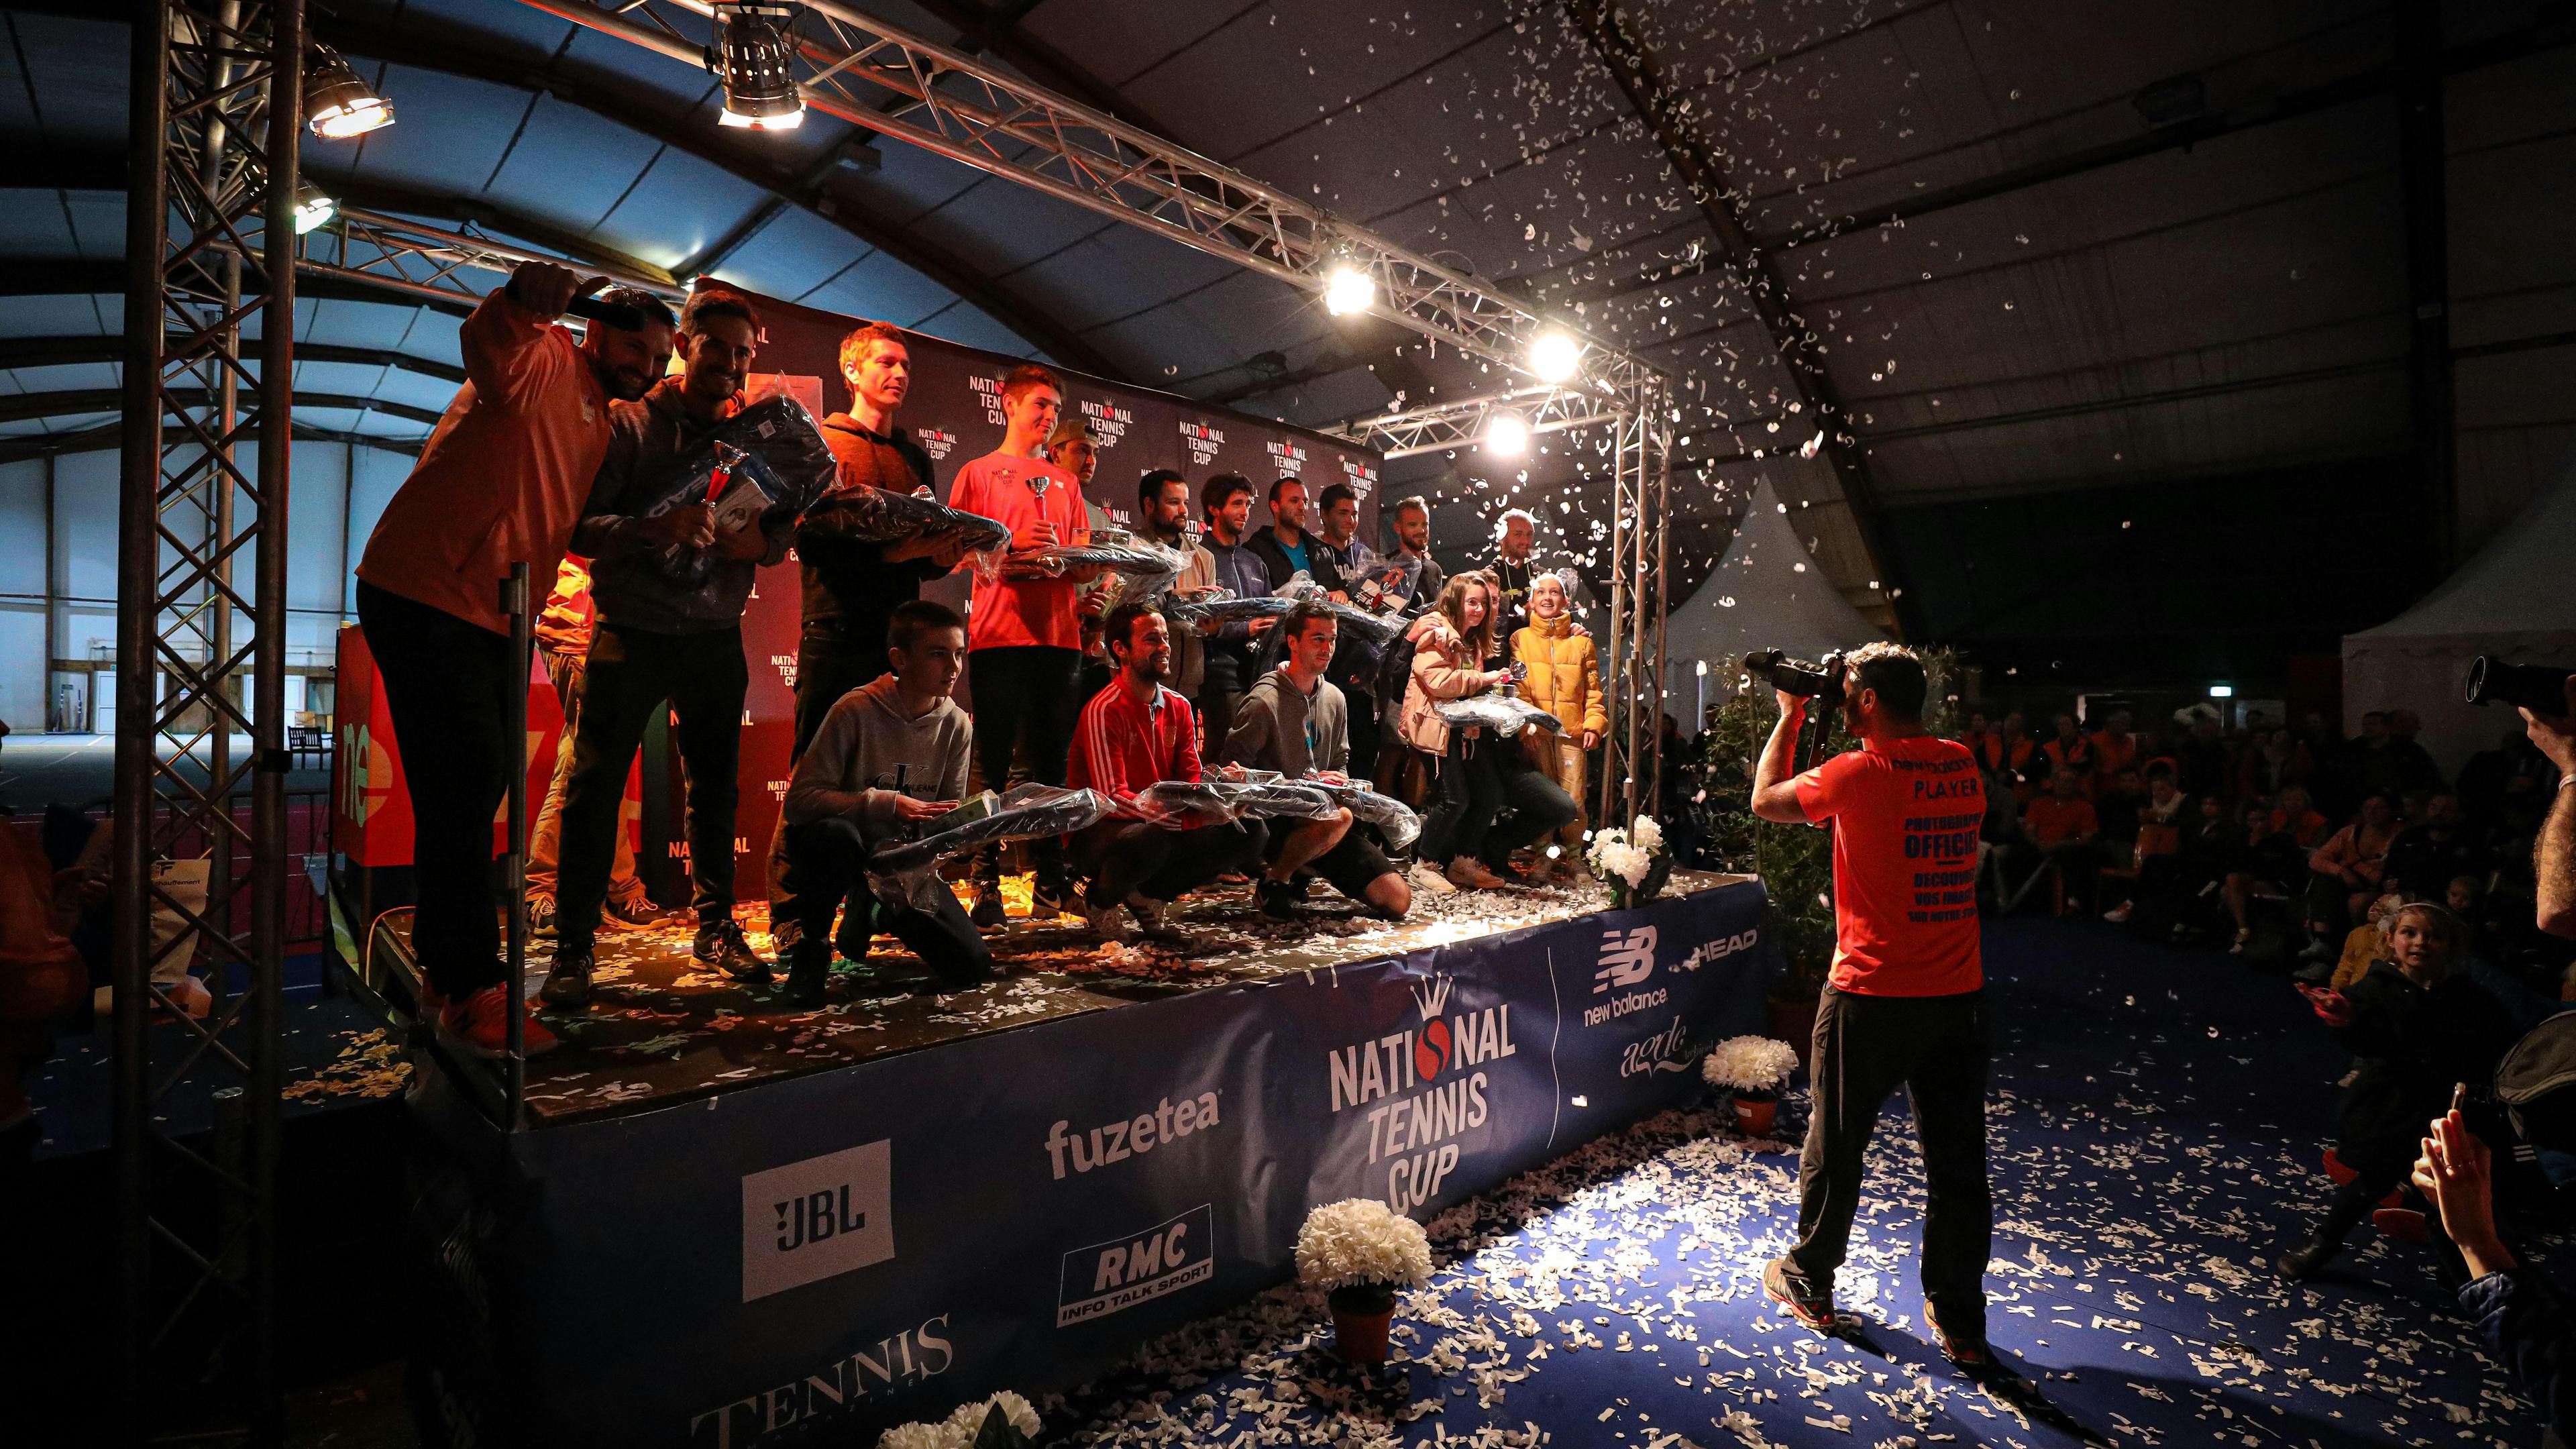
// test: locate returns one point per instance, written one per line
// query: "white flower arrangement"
(1612, 854)
(1361, 1241)
(959, 1429)
(1749, 1064)
(1647, 833)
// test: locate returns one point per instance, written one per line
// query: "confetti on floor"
(2156, 1121)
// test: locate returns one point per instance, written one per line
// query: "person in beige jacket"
(1565, 680)
(1480, 779)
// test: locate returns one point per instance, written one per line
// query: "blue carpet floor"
(2157, 1119)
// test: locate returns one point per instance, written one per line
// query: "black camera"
(1820, 682)
(2536, 687)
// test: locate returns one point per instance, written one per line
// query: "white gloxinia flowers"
(958, 1430)
(1361, 1240)
(1647, 833)
(1749, 1063)
(1626, 854)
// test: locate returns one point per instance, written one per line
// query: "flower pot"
(1754, 1113)
(1362, 1313)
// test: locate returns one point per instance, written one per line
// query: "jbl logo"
(817, 1218)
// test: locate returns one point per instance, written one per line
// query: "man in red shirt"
(1133, 734)
(2062, 825)
(1023, 631)
(1906, 1002)
(502, 480)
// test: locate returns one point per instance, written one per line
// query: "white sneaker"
(191, 996)
(1426, 880)
(2119, 914)
(1109, 923)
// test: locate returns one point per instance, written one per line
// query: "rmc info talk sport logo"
(1103, 1278)
(1420, 1115)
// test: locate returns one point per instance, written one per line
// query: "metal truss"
(1641, 489)
(409, 258)
(210, 239)
(857, 67)
(1461, 424)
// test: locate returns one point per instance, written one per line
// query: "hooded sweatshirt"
(1281, 727)
(864, 742)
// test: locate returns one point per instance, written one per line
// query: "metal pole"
(1659, 463)
(138, 551)
(268, 714)
(1615, 755)
(514, 603)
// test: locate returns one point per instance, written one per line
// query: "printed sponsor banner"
(809, 1259)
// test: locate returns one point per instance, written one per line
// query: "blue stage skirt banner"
(805, 1260)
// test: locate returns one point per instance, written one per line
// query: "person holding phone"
(2420, 1026)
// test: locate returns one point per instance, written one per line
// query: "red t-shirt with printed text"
(1905, 816)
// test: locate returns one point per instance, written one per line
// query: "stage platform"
(727, 1225)
(663, 1030)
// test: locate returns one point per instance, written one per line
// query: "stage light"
(337, 104)
(1703, 669)
(753, 58)
(1554, 356)
(1348, 290)
(2222, 691)
(313, 206)
(1507, 435)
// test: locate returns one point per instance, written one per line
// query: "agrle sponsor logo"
(1668, 1050)
(1709, 953)
(937, 442)
(1118, 1141)
(1109, 422)
(817, 1218)
(1105, 1277)
(1627, 958)
(1203, 440)
(846, 1386)
(1419, 1116)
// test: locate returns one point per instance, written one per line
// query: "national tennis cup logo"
(1425, 1097)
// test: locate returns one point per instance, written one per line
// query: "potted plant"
(1753, 1069)
(1004, 1421)
(1359, 1251)
(1631, 862)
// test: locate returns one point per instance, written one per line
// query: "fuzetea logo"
(1420, 1116)
(1118, 1141)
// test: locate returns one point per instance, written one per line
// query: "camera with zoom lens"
(2540, 688)
(1822, 682)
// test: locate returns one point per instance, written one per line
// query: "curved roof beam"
(806, 191)
(107, 347)
(21, 407)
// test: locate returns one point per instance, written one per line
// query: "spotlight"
(1507, 435)
(337, 104)
(1348, 290)
(753, 58)
(313, 206)
(1554, 356)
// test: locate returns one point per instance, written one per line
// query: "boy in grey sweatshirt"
(889, 754)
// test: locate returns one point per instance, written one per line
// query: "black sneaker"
(987, 914)
(2307, 1260)
(568, 980)
(1050, 899)
(1278, 899)
(635, 913)
(720, 944)
(1812, 1309)
(807, 977)
(541, 918)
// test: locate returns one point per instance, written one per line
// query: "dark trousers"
(630, 674)
(1027, 692)
(1225, 678)
(1935, 1047)
(1362, 709)
(1130, 857)
(829, 663)
(1492, 802)
(824, 861)
(447, 685)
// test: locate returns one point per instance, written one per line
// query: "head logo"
(1710, 952)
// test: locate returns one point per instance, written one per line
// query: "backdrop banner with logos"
(806, 1260)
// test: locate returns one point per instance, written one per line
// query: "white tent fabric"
(2515, 599)
(1766, 593)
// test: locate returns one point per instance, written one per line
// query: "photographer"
(1905, 1003)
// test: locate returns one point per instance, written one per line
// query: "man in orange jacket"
(502, 480)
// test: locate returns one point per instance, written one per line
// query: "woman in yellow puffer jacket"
(1564, 680)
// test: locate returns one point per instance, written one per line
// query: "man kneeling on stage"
(1295, 722)
(1133, 734)
(890, 753)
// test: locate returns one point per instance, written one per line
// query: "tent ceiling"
(2083, 301)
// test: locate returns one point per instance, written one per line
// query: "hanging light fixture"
(313, 206)
(1507, 435)
(1348, 291)
(1554, 355)
(337, 104)
(752, 57)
